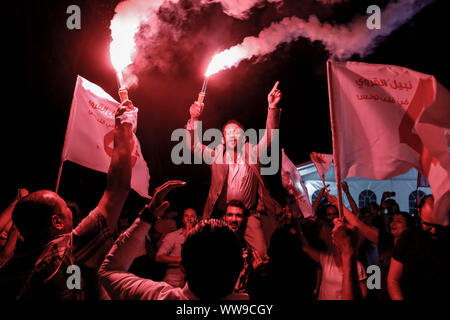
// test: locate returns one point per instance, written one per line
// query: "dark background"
(43, 59)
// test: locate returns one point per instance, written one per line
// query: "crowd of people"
(244, 245)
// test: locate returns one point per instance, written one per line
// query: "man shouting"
(235, 171)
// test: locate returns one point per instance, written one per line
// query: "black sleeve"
(385, 240)
(401, 248)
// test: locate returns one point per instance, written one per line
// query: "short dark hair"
(365, 209)
(375, 205)
(409, 219)
(212, 259)
(238, 204)
(422, 202)
(323, 210)
(240, 125)
(33, 217)
(245, 212)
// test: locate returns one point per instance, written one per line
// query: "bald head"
(42, 215)
(426, 208)
(428, 221)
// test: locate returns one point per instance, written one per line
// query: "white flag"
(90, 134)
(388, 119)
(322, 162)
(292, 182)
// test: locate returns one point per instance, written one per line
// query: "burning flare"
(221, 61)
(226, 59)
(341, 41)
(123, 46)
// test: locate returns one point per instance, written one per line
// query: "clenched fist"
(196, 110)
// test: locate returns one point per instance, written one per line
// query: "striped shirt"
(85, 247)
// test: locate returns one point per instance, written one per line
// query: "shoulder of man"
(174, 234)
(54, 252)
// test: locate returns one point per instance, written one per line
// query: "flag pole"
(335, 143)
(323, 181)
(69, 125)
(59, 174)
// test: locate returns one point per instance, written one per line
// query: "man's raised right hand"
(196, 110)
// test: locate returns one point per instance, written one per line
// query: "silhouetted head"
(329, 213)
(392, 206)
(366, 215)
(374, 208)
(41, 216)
(212, 259)
(427, 219)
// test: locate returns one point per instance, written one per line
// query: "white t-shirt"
(332, 277)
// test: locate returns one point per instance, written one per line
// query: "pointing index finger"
(275, 87)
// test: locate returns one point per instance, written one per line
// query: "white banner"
(90, 134)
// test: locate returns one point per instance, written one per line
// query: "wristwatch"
(148, 216)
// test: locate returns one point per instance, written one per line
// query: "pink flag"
(89, 136)
(292, 182)
(388, 119)
(323, 162)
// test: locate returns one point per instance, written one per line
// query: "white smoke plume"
(128, 18)
(341, 41)
(133, 15)
(145, 21)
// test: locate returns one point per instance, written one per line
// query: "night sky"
(44, 58)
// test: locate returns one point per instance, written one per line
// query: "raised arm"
(273, 118)
(315, 205)
(113, 273)
(7, 251)
(5, 216)
(118, 183)
(192, 128)
(310, 251)
(345, 240)
(6, 225)
(369, 232)
(353, 205)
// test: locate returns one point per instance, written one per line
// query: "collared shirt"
(171, 244)
(242, 183)
(84, 247)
